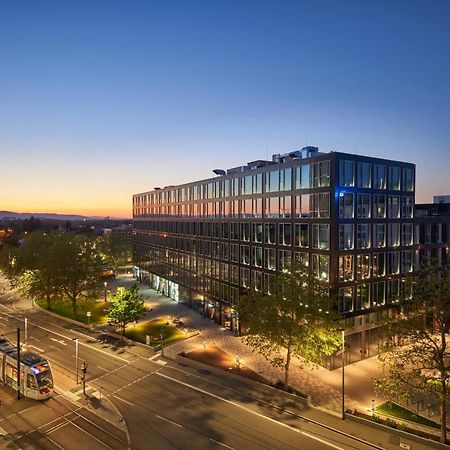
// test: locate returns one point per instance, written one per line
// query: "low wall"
(198, 365)
(400, 437)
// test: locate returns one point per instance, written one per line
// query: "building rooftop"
(306, 153)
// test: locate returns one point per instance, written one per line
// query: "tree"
(79, 267)
(31, 224)
(33, 266)
(297, 320)
(415, 356)
(125, 307)
(116, 249)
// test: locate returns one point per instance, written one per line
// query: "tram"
(36, 380)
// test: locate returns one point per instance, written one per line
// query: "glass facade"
(348, 217)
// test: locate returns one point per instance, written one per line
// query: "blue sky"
(103, 99)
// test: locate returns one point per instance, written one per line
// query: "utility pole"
(76, 357)
(18, 363)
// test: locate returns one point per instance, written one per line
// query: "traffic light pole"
(83, 371)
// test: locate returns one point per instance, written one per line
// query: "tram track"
(67, 416)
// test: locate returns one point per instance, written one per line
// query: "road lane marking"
(170, 421)
(250, 411)
(111, 355)
(221, 443)
(287, 411)
(123, 400)
(102, 368)
(59, 341)
(37, 348)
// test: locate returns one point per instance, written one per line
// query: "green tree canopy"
(79, 268)
(125, 307)
(116, 249)
(298, 320)
(33, 267)
(54, 264)
(416, 355)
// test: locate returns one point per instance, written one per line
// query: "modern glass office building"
(348, 217)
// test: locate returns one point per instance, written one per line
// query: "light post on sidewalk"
(76, 357)
(343, 374)
(105, 284)
(26, 332)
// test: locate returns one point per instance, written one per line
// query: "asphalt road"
(55, 424)
(165, 406)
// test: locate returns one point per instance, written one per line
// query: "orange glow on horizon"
(116, 210)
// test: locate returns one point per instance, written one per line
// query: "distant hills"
(53, 216)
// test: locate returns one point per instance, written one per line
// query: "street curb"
(68, 319)
(401, 434)
(198, 365)
(95, 329)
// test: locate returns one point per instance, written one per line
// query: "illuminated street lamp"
(105, 284)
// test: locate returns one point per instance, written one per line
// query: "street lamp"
(76, 357)
(343, 374)
(105, 284)
(26, 332)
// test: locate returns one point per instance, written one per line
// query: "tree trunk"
(49, 301)
(286, 367)
(74, 307)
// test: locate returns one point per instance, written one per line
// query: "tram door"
(11, 377)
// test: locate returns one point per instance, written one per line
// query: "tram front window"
(44, 379)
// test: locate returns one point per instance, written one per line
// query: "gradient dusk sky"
(103, 99)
